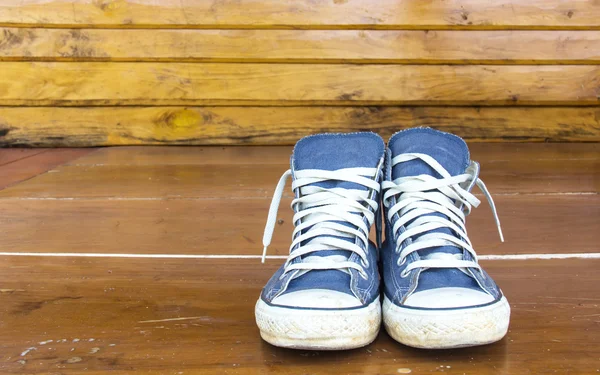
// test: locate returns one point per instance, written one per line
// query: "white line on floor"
(161, 256)
(540, 256)
(256, 197)
(175, 319)
(203, 256)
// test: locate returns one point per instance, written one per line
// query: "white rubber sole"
(444, 329)
(318, 329)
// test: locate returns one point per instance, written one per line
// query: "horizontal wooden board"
(531, 224)
(93, 316)
(28, 167)
(279, 155)
(100, 126)
(161, 182)
(106, 83)
(258, 181)
(208, 155)
(303, 14)
(524, 152)
(307, 46)
(11, 155)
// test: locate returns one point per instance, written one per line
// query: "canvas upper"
(438, 286)
(331, 288)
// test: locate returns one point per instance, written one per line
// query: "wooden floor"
(146, 260)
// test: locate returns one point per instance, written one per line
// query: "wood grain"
(157, 316)
(105, 83)
(523, 152)
(116, 315)
(162, 182)
(95, 126)
(258, 181)
(23, 169)
(11, 155)
(531, 224)
(302, 46)
(279, 155)
(214, 155)
(472, 14)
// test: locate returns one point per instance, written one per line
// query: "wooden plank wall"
(124, 72)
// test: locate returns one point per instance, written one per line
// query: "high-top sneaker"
(326, 294)
(436, 295)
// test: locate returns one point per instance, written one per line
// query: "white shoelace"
(420, 196)
(319, 212)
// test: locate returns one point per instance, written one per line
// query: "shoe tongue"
(447, 149)
(332, 152)
(450, 152)
(337, 151)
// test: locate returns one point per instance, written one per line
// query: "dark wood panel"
(525, 152)
(96, 315)
(11, 155)
(106, 83)
(307, 46)
(542, 176)
(211, 155)
(28, 167)
(280, 155)
(97, 126)
(161, 182)
(258, 181)
(531, 224)
(471, 14)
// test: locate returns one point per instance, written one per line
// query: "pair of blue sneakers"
(327, 295)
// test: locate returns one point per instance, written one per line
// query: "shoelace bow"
(319, 215)
(420, 196)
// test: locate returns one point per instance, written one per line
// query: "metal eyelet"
(404, 274)
(402, 262)
(364, 275)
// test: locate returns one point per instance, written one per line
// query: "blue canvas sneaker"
(326, 294)
(436, 295)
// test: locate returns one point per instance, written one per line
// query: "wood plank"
(160, 182)
(542, 176)
(11, 155)
(106, 83)
(145, 227)
(531, 224)
(26, 168)
(209, 155)
(96, 126)
(258, 181)
(472, 14)
(280, 155)
(306, 46)
(117, 315)
(523, 152)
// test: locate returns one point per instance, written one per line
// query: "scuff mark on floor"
(205, 318)
(26, 351)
